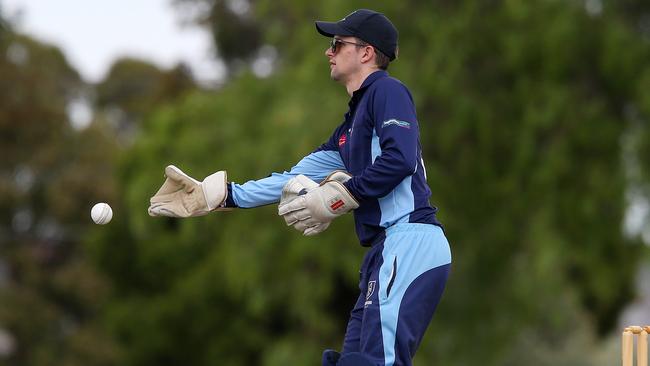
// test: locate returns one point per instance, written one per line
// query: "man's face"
(345, 59)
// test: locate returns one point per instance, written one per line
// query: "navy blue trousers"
(402, 280)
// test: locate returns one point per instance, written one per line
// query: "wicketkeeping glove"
(319, 205)
(183, 196)
(295, 187)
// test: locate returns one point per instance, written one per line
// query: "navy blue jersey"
(378, 143)
(380, 146)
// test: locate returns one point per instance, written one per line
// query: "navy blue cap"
(367, 25)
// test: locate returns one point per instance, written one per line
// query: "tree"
(234, 28)
(133, 88)
(521, 106)
(51, 173)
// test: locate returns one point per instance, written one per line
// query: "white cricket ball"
(101, 213)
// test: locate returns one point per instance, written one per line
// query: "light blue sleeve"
(316, 166)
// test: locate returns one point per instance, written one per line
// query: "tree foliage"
(232, 25)
(521, 107)
(133, 88)
(50, 295)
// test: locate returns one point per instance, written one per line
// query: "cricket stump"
(627, 345)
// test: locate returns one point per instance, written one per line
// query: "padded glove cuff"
(215, 189)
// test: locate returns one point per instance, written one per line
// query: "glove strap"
(342, 202)
(340, 176)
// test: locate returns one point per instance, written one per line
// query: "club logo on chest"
(342, 140)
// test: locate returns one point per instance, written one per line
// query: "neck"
(354, 82)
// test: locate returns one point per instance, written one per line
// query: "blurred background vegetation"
(534, 119)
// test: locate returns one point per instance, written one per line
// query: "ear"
(368, 54)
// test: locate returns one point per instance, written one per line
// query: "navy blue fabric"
(416, 311)
(363, 325)
(382, 113)
(402, 279)
(356, 359)
(330, 357)
(230, 202)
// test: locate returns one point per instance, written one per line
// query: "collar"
(366, 83)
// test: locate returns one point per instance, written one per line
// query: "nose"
(328, 52)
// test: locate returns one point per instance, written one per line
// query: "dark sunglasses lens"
(334, 45)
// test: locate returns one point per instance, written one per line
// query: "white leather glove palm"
(183, 196)
(312, 212)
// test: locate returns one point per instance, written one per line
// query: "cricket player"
(372, 166)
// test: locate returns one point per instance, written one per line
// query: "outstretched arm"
(316, 166)
(183, 196)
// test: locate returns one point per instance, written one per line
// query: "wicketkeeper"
(371, 165)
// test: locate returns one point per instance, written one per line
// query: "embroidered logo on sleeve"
(371, 291)
(397, 123)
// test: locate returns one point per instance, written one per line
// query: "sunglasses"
(336, 43)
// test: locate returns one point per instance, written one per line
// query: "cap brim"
(331, 29)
